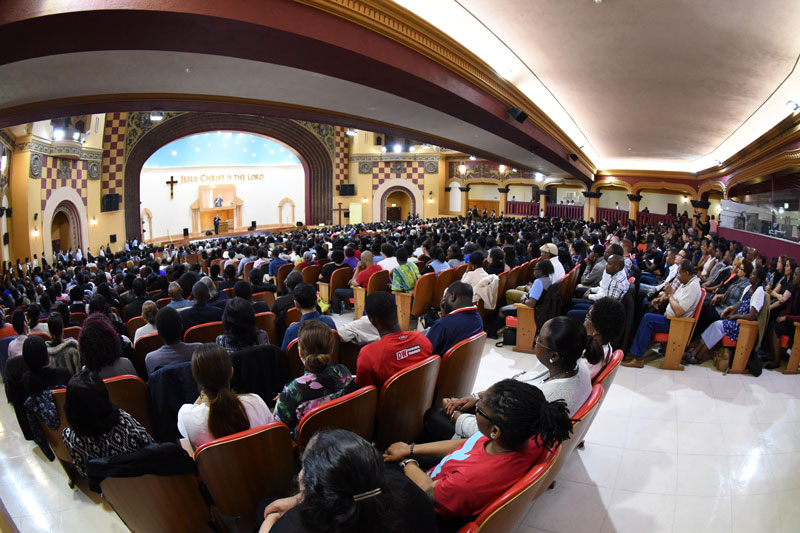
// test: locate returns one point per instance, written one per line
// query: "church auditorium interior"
(400, 265)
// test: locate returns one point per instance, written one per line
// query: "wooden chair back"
(354, 412)
(512, 282)
(296, 367)
(283, 272)
(266, 321)
(53, 436)
(379, 281)
(403, 400)
(248, 267)
(158, 503)
(266, 296)
(204, 332)
(423, 294)
(459, 272)
(72, 332)
(502, 515)
(459, 369)
(131, 395)
(145, 345)
(311, 274)
(42, 334)
(443, 280)
(339, 280)
(133, 324)
(292, 315)
(241, 469)
(77, 317)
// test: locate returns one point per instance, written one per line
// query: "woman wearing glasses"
(515, 422)
(604, 322)
(561, 347)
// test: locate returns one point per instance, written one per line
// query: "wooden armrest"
(743, 322)
(522, 306)
(797, 324)
(321, 284)
(688, 319)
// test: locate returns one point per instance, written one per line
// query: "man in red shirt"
(396, 350)
(361, 275)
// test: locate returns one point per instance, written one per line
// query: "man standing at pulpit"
(216, 223)
(218, 201)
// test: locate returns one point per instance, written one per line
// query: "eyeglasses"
(537, 343)
(484, 415)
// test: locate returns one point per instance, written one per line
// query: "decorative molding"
(677, 188)
(635, 197)
(398, 24)
(40, 147)
(779, 161)
(649, 174)
(701, 204)
(36, 165)
(503, 190)
(393, 157)
(431, 167)
(612, 183)
(364, 167)
(325, 132)
(463, 189)
(592, 194)
(139, 123)
(64, 169)
(448, 189)
(6, 139)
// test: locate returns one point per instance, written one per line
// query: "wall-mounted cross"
(171, 182)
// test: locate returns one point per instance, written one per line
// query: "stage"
(180, 240)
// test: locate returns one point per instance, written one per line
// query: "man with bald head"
(200, 312)
(176, 294)
(613, 285)
(364, 269)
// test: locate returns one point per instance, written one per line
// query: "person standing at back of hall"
(396, 350)
(216, 224)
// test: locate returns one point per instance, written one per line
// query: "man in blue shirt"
(276, 262)
(305, 299)
(461, 319)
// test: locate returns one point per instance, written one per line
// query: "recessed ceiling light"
(598, 1)
(629, 148)
(472, 158)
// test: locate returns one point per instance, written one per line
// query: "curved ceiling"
(656, 84)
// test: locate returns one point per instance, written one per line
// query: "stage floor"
(201, 236)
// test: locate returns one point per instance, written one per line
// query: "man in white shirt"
(682, 302)
(389, 261)
(549, 252)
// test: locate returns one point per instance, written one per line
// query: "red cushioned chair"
(606, 376)
(459, 368)
(415, 303)
(204, 332)
(678, 337)
(130, 394)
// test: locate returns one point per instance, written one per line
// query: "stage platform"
(180, 240)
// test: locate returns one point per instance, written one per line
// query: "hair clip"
(366, 495)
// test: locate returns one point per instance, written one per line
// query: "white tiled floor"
(669, 451)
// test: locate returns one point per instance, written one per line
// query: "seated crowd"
(630, 282)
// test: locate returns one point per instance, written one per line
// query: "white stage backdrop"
(260, 187)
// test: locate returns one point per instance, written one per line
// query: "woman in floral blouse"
(321, 381)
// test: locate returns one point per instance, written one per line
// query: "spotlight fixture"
(780, 210)
(426, 146)
(574, 157)
(518, 114)
(539, 178)
(383, 149)
(793, 106)
(786, 205)
(472, 158)
(412, 148)
(501, 168)
(156, 116)
(58, 134)
(462, 169)
(514, 170)
(397, 148)
(351, 132)
(76, 135)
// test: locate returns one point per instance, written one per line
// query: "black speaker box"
(5, 238)
(518, 114)
(110, 202)
(253, 223)
(209, 232)
(348, 189)
(185, 232)
(8, 212)
(112, 238)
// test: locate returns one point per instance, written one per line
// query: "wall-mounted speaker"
(185, 232)
(518, 114)
(253, 223)
(8, 212)
(5, 238)
(112, 238)
(110, 202)
(347, 189)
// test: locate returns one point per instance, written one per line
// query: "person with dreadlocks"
(515, 423)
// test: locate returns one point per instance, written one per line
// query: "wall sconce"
(462, 169)
(364, 200)
(35, 232)
(394, 205)
(685, 199)
(430, 197)
(94, 221)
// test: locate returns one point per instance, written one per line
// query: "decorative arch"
(69, 202)
(709, 187)
(314, 156)
(390, 186)
(612, 183)
(551, 182)
(289, 201)
(679, 188)
(147, 220)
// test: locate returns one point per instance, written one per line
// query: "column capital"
(447, 189)
(635, 197)
(701, 204)
(463, 189)
(592, 194)
(503, 190)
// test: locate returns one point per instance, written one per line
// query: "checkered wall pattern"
(413, 171)
(113, 172)
(341, 156)
(77, 179)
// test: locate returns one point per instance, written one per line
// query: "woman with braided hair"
(515, 422)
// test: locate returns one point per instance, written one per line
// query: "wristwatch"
(476, 395)
(404, 462)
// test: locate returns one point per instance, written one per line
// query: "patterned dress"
(312, 390)
(404, 277)
(126, 436)
(731, 327)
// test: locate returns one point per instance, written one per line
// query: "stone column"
(633, 208)
(542, 202)
(590, 207)
(464, 200)
(503, 199)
